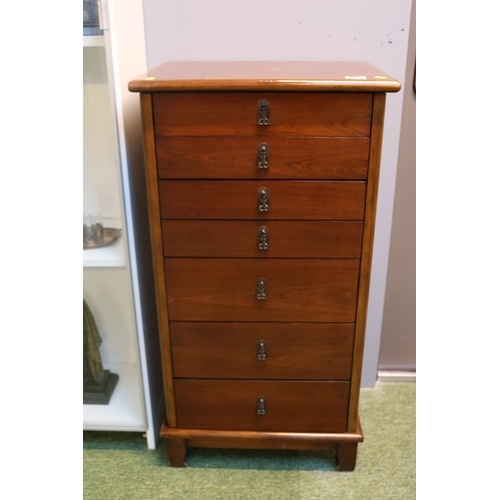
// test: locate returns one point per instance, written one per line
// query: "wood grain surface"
(297, 290)
(308, 76)
(294, 351)
(367, 252)
(290, 406)
(264, 439)
(292, 200)
(288, 157)
(157, 257)
(235, 114)
(295, 239)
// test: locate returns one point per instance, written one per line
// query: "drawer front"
(297, 239)
(262, 350)
(289, 406)
(283, 158)
(237, 113)
(293, 200)
(295, 290)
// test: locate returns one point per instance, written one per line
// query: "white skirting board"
(396, 376)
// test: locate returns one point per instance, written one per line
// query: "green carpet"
(119, 466)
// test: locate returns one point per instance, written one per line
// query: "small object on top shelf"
(95, 235)
(91, 18)
(98, 383)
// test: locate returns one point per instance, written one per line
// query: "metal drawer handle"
(263, 161)
(261, 289)
(261, 350)
(261, 406)
(264, 112)
(263, 194)
(263, 238)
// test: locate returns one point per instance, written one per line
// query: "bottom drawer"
(237, 405)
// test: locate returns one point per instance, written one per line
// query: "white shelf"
(93, 41)
(124, 411)
(111, 256)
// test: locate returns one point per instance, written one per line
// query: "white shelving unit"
(116, 283)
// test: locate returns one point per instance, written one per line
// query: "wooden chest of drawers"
(262, 182)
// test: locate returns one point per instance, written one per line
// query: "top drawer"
(237, 113)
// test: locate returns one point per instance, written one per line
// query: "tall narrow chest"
(262, 184)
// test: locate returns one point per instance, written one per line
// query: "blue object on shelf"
(91, 18)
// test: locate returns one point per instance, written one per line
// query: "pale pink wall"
(398, 342)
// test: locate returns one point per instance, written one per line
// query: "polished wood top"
(265, 75)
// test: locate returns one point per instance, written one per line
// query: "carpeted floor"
(118, 466)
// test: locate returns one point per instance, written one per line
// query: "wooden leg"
(346, 456)
(176, 451)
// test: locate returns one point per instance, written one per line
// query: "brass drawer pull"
(261, 350)
(261, 406)
(263, 200)
(263, 238)
(263, 161)
(264, 112)
(261, 289)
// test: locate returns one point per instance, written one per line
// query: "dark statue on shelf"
(98, 384)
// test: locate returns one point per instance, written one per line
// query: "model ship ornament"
(95, 235)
